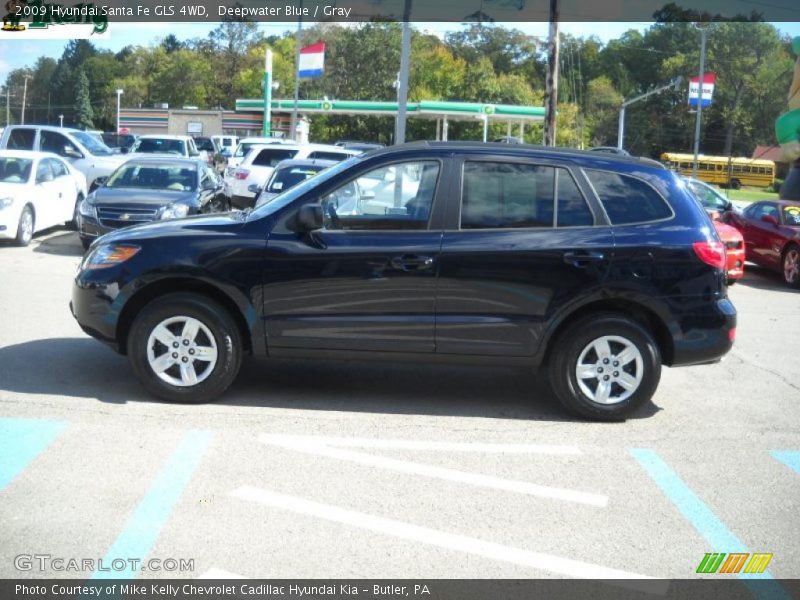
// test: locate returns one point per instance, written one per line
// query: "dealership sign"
(709, 79)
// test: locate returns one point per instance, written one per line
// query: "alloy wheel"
(791, 266)
(609, 370)
(182, 351)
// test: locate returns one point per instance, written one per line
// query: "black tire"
(24, 231)
(215, 318)
(792, 253)
(736, 184)
(86, 242)
(572, 342)
(73, 224)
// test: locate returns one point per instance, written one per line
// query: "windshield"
(709, 198)
(287, 197)
(159, 146)
(270, 157)
(791, 215)
(173, 178)
(92, 143)
(283, 179)
(15, 170)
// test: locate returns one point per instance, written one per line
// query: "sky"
(23, 52)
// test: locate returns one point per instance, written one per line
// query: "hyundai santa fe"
(599, 268)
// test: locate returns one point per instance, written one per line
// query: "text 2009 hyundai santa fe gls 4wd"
(603, 268)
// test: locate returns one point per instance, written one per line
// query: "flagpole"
(267, 125)
(293, 130)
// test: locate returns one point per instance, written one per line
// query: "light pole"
(674, 84)
(60, 120)
(119, 95)
(699, 117)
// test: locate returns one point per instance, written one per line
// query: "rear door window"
(500, 195)
(269, 157)
(627, 199)
(323, 155)
(21, 139)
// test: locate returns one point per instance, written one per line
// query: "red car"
(716, 206)
(771, 230)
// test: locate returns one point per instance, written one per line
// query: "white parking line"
(310, 445)
(459, 543)
(474, 447)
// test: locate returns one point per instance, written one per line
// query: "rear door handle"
(582, 258)
(411, 262)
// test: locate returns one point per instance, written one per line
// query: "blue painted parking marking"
(142, 529)
(791, 458)
(703, 519)
(22, 440)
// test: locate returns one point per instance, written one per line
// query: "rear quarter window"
(21, 139)
(628, 199)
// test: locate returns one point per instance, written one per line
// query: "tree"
(83, 104)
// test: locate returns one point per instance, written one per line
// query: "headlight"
(87, 209)
(174, 211)
(6, 202)
(105, 256)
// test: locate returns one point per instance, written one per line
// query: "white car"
(37, 190)
(176, 145)
(243, 147)
(225, 142)
(257, 166)
(79, 148)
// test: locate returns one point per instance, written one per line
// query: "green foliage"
(83, 106)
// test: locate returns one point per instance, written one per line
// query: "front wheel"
(185, 348)
(25, 227)
(791, 266)
(604, 367)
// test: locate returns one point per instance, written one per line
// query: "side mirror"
(124, 150)
(70, 152)
(98, 182)
(47, 177)
(254, 188)
(769, 219)
(309, 218)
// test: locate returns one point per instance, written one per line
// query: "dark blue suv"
(601, 267)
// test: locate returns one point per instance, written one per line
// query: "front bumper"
(92, 306)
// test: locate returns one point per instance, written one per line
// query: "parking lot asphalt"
(340, 469)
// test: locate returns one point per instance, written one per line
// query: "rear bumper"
(704, 335)
(735, 266)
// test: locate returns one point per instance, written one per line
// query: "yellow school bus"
(718, 169)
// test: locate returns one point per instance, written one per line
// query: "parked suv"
(81, 149)
(600, 268)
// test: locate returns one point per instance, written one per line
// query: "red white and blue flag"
(312, 60)
(709, 79)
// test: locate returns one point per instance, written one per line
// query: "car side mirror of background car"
(769, 219)
(98, 182)
(70, 152)
(124, 150)
(309, 218)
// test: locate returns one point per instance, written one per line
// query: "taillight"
(241, 174)
(731, 334)
(711, 253)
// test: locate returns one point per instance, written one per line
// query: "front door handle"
(411, 262)
(582, 258)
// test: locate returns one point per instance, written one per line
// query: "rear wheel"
(185, 348)
(604, 367)
(25, 227)
(791, 266)
(73, 224)
(736, 184)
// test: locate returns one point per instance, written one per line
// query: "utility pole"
(551, 91)
(293, 126)
(699, 116)
(402, 80)
(8, 105)
(24, 96)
